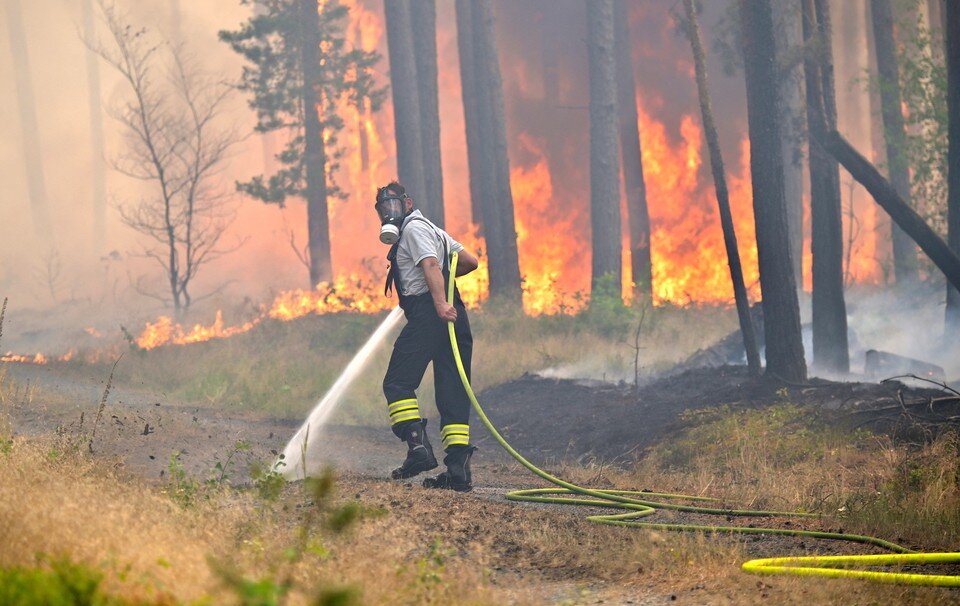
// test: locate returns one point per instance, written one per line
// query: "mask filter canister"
(389, 234)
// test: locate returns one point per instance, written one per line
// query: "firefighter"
(419, 270)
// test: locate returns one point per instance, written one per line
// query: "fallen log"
(885, 364)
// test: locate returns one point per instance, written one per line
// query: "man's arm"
(434, 278)
(466, 263)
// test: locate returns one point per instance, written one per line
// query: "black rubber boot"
(457, 476)
(419, 452)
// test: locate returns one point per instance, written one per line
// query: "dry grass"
(409, 546)
(282, 368)
(787, 458)
(57, 504)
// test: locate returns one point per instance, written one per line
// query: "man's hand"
(434, 277)
(447, 312)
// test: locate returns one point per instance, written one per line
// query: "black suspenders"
(393, 274)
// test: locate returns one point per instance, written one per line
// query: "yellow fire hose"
(639, 506)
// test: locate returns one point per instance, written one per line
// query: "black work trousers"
(423, 340)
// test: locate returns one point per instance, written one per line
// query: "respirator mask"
(391, 211)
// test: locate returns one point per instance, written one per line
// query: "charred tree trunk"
(604, 174)
(423, 15)
(723, 196)
(895, 134)
(499, 222)
(942, 255)
(98, 167)
(830, 346)
(631, 160)
(786, 18)
(318, 221)
(26, 103)
(406, 98)
(781, 310)
(952, 40)
(466, 49)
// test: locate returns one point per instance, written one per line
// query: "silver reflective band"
(389, 234)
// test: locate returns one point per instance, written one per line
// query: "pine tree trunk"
(786, 19)
(604, 162)
(98, 168)
(830, 343)
(499, 223)
(781, 310)
(631, 161)
(318, 222)
(936, 17)
(32, 153)
(466, 49)
(406, 98)
(723, 196)
(895, 134)
(423, 15)
(550, 49)
(952, 41)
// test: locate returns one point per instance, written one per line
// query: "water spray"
(294, 454)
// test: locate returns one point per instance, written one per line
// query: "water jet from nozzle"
(297, 448)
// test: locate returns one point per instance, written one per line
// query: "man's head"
(392, 206)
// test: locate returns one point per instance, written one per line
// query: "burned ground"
(560, 419)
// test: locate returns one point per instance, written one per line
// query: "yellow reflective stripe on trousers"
(401, 403)
(455, 427)
(403, 410)
(410, 416)
(455, 435)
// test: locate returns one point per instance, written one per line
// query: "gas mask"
(391, 211)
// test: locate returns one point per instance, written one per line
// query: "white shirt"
(420, 239)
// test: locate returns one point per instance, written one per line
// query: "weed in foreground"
(321, 517)
(180, 486)
(269, 480)
(59, 583)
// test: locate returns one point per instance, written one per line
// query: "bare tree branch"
(175, 143)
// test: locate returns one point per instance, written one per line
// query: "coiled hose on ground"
(638, 506)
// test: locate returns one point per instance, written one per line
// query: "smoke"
(544, 63)
(906, 322)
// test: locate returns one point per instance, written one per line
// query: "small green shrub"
(181, 487)
(62, 583)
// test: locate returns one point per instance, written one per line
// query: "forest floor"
(163, 497)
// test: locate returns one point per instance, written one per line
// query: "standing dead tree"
(174, 145)
(831, 349)
(723, 195)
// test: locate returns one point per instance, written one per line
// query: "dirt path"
(547, 419)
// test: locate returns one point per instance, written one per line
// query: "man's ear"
(408, 203)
